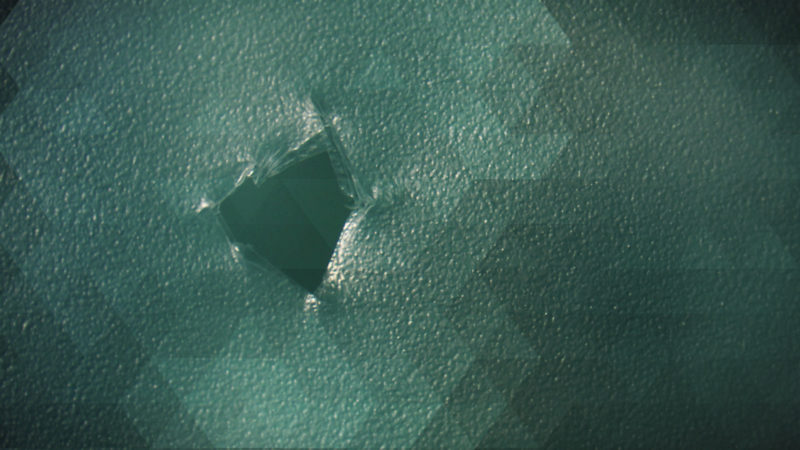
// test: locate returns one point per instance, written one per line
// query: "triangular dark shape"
(292, 220)
(5, 8)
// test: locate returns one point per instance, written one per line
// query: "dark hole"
(293, 219)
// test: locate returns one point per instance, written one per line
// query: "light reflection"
(346, 240)
(236, 253)
(247, 172)
(311, 303)
(203, 204)
(311, 122)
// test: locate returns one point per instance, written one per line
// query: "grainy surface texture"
(572, 224)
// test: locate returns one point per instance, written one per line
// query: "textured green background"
(583, 229)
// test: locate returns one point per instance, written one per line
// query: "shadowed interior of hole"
(292, 220)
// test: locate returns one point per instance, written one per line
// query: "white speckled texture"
(570, 218)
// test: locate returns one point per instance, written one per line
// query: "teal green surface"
(574, 224)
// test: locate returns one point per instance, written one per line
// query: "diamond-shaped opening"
(291, 220)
